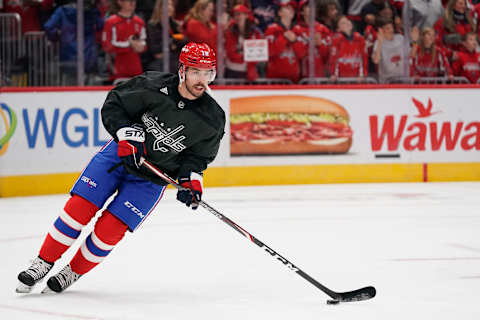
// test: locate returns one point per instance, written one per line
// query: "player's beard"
(196, 90)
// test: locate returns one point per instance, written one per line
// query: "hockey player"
(168, 119)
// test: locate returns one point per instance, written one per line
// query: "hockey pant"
(78, 212)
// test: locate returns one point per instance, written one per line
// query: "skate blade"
(23, 288)
(47, 290)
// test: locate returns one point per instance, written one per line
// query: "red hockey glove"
(131, 145)
(192, 194)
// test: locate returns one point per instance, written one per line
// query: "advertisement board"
(387, 125)
(56, 132)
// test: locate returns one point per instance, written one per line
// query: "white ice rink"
(418, 244)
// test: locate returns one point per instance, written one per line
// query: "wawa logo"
(395, 132)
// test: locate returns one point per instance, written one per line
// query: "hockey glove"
(192, 192)
(131, 145)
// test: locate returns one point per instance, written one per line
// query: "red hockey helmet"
(198, 55)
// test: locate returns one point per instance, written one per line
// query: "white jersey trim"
(116, 43)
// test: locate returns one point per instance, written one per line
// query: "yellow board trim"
(469, 171)
(271, 175)
(38, 184)
(312, 174)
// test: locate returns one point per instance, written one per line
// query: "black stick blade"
(357, 295)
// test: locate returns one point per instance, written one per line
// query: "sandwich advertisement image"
(288, 125)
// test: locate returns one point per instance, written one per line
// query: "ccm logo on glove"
(193, 189)
(131, 145)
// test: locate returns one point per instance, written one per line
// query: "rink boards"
(400, 134)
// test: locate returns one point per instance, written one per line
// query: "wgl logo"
(9, 123)
(49, 125)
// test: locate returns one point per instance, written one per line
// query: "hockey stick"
(349, 296)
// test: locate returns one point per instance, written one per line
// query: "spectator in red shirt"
(124, 36)
(283, 45)
(348, 52)
(240, 29)
(457, 21)
(198, 25)
(466, 63)
(426, 58)
(321, 39)
(29, 11)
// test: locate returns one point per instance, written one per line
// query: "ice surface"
(418, 244)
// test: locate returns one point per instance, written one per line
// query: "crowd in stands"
(381, 39)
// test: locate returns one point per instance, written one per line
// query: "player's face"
(196, 80)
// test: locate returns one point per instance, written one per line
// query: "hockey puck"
(333, 302)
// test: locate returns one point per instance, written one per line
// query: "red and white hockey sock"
(109, 230)
(66, 229)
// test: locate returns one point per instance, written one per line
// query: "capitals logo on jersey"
(164, 136)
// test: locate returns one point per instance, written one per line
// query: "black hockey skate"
(33, 275)
(61, 280)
